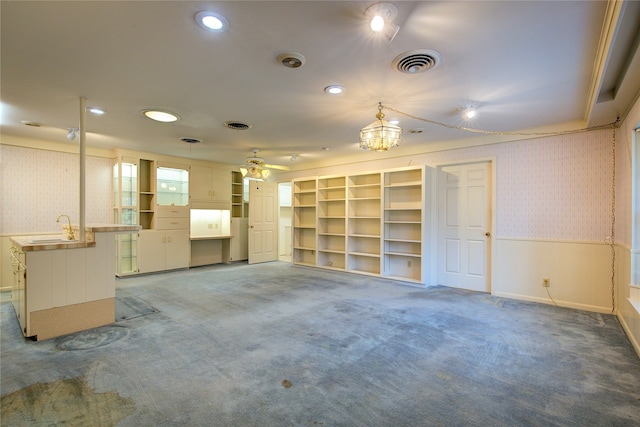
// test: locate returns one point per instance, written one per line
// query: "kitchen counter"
(60, 241)
(71, 284)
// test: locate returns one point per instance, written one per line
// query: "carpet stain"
(286, 383)
(67, 402)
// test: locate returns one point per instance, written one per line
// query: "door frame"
(434, 199)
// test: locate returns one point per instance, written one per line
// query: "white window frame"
(634, 291)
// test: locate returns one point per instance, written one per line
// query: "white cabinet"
(209, 185)
(304, 221)
(163, 250)
(363, 230)
(371, 223)
(239, 239)
(332, 196)
(403, 224)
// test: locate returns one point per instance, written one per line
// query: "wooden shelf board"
(366, 254)
(402, 222)
(403, 254)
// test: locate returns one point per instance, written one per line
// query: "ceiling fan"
(256, 168)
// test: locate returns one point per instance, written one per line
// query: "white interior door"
(263, 221)
(464, 226)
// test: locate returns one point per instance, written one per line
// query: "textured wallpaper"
(39, 185)
(556, 188)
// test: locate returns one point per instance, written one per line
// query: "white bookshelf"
(364, 223)
(304, 221)
(372, 223)
(403, 224)
(332, 197)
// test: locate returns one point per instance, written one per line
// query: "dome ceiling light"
(161, 116)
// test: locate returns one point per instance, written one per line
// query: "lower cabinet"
(163, 250)
(239, 249)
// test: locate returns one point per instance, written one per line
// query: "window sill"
(634, 297)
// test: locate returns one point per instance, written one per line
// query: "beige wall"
(553, 216)
(553, 196)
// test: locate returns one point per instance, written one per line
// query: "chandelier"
(380, 135)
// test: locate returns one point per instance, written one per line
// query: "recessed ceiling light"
(97, 111)
(212, 21)
(334, 89)
(160, 116)
(326, 148)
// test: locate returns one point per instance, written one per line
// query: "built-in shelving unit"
(364, 223)
(147, 181)
(332, 197)
(373, 223)
(236, 194)
(403, 224)
(304, 221)
(126, 208)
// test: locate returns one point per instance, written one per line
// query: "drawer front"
(172, 223)
(172, 211)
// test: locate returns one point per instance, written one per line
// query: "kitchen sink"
(51, 240)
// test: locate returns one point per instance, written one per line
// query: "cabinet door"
(200, 183)
(240, 237)
(221, 186)
(178, 249)
(151, 256)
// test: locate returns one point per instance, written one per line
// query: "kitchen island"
(63, 286)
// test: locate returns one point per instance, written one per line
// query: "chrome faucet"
(70, 235)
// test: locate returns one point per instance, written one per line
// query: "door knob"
(488, 234)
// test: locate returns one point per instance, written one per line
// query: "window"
(634, 292)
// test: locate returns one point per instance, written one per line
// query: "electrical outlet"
(210, 225)
(545, 282)
(409, 263)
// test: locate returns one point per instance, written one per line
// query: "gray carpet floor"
(279, 345)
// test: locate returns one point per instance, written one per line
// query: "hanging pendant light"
(380, 135)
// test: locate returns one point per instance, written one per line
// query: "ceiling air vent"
(191, 140)
(416, 61)
(237, 125)
(291, 59)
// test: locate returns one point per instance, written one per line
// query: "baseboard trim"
(559, 303)
(627, 330)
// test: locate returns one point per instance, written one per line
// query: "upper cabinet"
(172, 185)
(210, 188)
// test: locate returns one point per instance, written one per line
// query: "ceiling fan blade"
(284, 168)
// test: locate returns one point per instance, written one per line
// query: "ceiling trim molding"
(613, 15)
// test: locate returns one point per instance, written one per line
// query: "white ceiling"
(525, 64)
